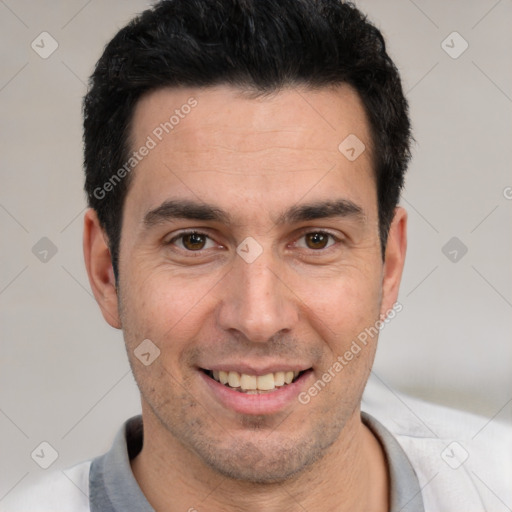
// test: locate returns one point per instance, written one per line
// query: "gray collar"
(405, 492)
(113, 487)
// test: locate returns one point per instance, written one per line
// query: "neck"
(352, 475)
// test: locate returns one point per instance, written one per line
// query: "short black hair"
(259, 45)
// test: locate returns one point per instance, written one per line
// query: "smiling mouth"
(254, 384)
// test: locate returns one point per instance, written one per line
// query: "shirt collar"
(405, 491)
(113, 487)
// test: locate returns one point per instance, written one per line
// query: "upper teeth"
(254, 382)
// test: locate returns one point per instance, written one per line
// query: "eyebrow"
(191, 210)
(342, 208)
(185, 209)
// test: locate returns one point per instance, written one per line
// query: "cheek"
(346, 320)
(164, 307)
(342, 306)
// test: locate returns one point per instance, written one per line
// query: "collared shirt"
(113, 487)
(461, 461)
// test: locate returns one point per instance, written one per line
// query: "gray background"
(65, 378)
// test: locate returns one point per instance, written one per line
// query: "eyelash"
(185, 233)
(199, 252)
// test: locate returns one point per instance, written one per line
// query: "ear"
(98, 262)
(394, 260)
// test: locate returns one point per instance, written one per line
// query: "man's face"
(282, 274)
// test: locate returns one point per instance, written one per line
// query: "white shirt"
(442, 459)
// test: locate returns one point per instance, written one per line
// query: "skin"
(253, 157)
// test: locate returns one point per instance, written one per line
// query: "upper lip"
(251, 369)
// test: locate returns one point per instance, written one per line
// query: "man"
(244, 161)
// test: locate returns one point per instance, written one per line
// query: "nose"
(256, 302)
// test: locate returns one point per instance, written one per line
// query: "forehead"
(223, 143)
(326, 114)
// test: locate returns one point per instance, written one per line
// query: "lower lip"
(264, 403)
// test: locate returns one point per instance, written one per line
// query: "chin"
(263, 461)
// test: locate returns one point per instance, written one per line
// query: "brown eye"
(193, 241)
(317, 240)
